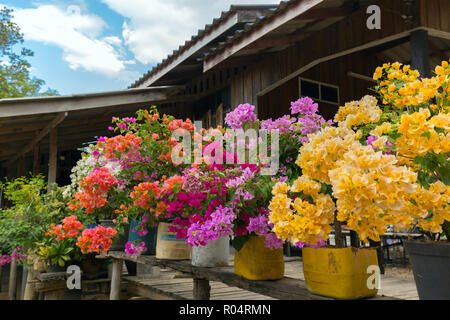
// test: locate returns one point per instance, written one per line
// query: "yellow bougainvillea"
(369, 187)
(301, 220)
(418, 134)
(430, 207)
(362, 183)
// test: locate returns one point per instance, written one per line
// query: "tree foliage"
(15, 78)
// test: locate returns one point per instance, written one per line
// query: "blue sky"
(83, 46)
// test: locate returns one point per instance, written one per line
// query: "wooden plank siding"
(247, 80)
(434, 14)
(345, 34)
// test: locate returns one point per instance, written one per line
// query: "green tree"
(15, 78)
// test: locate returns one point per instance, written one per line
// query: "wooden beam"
(276, 42)
(52, 163)
(202, 289)
(325, 13)
(420, 53)
(360, 76)
(334, 56)
(273, 23)
(57, 104)
(59, 118)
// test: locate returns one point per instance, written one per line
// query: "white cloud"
(154, 28)
(77, 34)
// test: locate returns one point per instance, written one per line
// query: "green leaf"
(427, 135)
(239, 241)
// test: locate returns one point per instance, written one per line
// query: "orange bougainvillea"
(98, 239)
(128, 144)
(93, 192)
(146, 194)
(69, 229)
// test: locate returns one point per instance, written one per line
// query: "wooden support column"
(12, 280)
(202, 289)
(52, 163)
(420, 52)
(24, 282)
(30, 293)
(21, 166)
(36, 159)
(116, 278)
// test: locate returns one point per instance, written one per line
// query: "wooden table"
(284, 289)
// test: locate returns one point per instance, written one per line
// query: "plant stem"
(338, 233)
(446, 229)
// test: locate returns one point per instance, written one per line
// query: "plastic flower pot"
(169, 247)
(430, 262)
(340, 273)
(149, 239)
(257, 262)
(213, 254)
(119, 240)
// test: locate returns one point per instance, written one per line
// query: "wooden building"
(319, 48)
(265, 55)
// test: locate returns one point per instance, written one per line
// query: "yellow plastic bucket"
(169, 247)
(339, 273)
(256, 262)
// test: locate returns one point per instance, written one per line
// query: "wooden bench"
(284, 289)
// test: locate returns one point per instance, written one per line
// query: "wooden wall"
(277, 102)
(435, 14)
(345, 34)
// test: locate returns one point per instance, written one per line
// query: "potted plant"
(258, 251)
(420, 135)
(346, 180)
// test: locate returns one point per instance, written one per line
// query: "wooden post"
(36, 160)
(420, 52)
(116, 276)
(30, 293)
(1, 278)
(202, 289)
(12, 281)
(52, 162)
(21, 166)
(23, 283)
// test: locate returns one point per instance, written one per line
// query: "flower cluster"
(218, 224)
(242, 113)
(69, 229)
(98, 239)
(16, 255)
(135, 249)
(94, 190)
